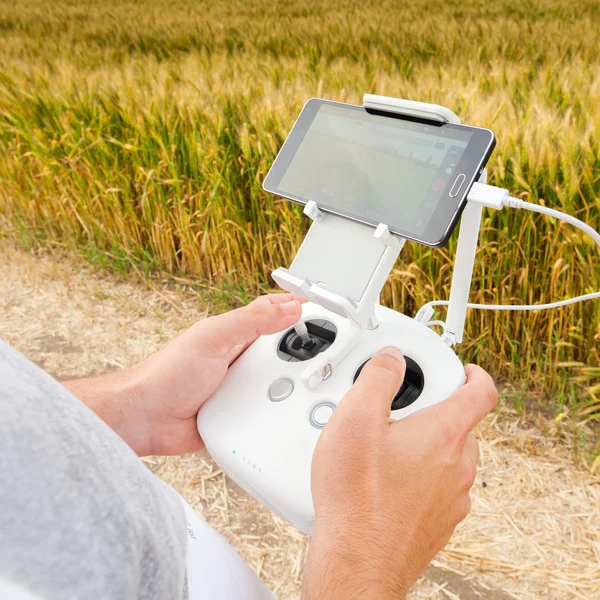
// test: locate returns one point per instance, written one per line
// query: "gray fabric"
(80, 515)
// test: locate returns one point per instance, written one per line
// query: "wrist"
(117, 398)
(346, 565)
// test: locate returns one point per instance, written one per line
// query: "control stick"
(302, 331)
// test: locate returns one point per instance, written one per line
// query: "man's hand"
(388, 494)
(153, 405)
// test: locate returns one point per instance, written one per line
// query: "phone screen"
(378, 169)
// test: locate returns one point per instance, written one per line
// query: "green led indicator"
(233, 452)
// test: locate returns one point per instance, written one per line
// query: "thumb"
(377, 384)
(267, 314)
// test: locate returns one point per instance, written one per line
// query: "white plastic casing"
(266, 447)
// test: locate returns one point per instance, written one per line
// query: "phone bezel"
(448, 210)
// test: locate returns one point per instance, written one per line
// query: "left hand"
(153, 405)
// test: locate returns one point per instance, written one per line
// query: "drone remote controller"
(262, 424)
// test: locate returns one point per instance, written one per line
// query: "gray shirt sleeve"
(80, 515)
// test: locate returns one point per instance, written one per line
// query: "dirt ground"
(534, 530)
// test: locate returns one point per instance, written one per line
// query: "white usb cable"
(498, 198)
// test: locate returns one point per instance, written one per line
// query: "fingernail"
(393, 352)
(290, 308)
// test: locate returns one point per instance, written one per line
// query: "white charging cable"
(498, 198)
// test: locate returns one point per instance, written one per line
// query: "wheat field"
(139, 132)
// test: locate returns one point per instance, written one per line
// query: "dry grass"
(534, 531)
(140, 132)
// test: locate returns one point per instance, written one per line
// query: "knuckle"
(473, 444)
(259, 307)
(487, 384)
(469, 474)
(464, 508)
(492, 391)
(470, 368)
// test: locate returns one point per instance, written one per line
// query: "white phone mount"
(342, 265)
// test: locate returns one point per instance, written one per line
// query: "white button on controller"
(280, 390)
(321, 414)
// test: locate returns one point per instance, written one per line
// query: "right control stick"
(411, 387)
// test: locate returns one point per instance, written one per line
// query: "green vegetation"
(140, 132)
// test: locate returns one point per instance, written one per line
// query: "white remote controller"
(262, 424)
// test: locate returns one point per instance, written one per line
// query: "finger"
(377, 384)
(282, 298)
(273, 299)
(266, 315)
(470, 404)
(238, 328)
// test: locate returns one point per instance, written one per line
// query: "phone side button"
(458, 182)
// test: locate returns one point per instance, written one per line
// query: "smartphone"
(376, 167)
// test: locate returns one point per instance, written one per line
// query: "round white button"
(321, 414)
(280, 390)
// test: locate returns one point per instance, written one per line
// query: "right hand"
(388, 494)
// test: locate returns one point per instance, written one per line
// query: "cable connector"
(513, 202)
(425, 313)
(488, 195)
